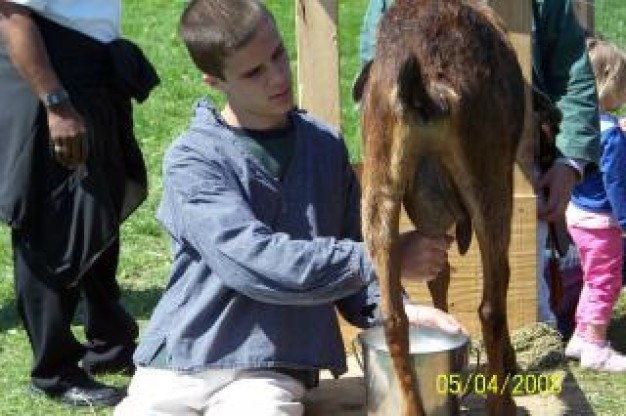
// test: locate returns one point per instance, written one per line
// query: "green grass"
(144, 260)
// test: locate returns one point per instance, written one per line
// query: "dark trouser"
(72, 219)
(47, 312)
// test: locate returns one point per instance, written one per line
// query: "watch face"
(56, 98)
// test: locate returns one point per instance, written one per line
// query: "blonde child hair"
(609, 67)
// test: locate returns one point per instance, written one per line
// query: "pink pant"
(601, 253)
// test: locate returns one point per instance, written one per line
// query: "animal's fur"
(443, 111)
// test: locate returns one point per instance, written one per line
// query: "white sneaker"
(575, 347)
(602, 358)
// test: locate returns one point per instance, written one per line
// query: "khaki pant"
(212, 393)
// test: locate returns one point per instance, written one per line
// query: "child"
(262, 207)
(596, 219)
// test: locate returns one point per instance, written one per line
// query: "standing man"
(70, 172)
(561, 69)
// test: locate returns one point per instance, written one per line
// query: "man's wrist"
(55, 98)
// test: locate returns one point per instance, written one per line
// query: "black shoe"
(126, 368)
(84, 391)
(109, 360)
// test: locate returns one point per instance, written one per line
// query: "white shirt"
(99, 19)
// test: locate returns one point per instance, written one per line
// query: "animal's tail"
(427, 103)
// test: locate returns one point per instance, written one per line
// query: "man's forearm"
(26, 49)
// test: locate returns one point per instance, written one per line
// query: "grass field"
(144, 264)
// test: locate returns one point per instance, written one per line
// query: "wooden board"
(585, 12)
(318, 59)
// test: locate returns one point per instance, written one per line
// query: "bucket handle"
(474, 373)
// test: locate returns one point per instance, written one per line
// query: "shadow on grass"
(139, 303)
(617, 334)
(341, 397)
(8, 316)
(573, 398)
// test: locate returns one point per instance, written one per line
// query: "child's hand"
(422, 258)
(434, 318)
(622, 123)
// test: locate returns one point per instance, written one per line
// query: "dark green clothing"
(561, 68)
(273, 148)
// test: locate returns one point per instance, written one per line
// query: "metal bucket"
(439, 360)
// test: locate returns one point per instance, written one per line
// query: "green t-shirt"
(272, 148)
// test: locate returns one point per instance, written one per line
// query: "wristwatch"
(56, 97)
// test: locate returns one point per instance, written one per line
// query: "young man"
(70, 172)
(263, 209)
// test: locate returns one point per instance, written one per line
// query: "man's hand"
(422, 258)
(68, 136)
(434, 318)
(558, 181)
(27, 51)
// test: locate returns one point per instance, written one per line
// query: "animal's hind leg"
(381, 237)
(382, 197)
(492, 224)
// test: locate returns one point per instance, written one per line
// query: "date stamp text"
(517, 384)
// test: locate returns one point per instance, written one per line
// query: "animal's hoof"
(501, 406)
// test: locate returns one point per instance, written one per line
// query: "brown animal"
(443, 111)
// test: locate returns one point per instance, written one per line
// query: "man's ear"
(213, 81)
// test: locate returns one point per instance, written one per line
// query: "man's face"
(257, 80)
(614, 88)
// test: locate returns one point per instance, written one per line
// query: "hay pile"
(538, 347)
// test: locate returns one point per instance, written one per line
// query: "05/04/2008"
(481, 384)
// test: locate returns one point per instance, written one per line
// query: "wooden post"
(522, 298)
(585, 12)
(318, 59)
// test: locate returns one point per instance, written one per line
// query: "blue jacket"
(604, 191)
(259, 263)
